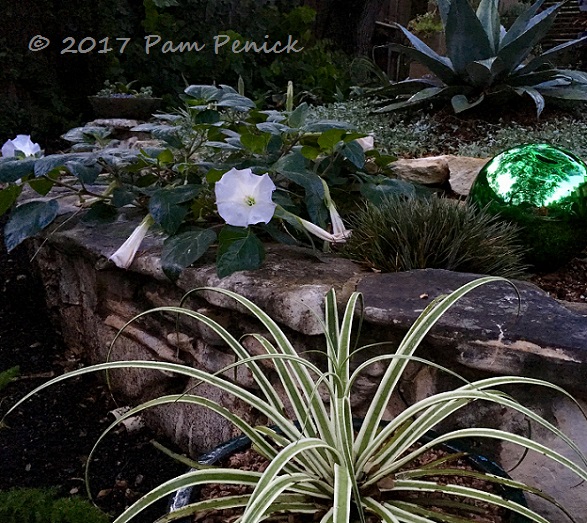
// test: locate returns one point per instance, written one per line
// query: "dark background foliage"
(44, 93)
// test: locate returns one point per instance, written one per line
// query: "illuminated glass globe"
(543, 189)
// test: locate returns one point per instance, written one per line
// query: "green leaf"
(311, 153)
(389, 187)
(517, 50)
(41, 186)
(321, 126)
(537, 98)
(293, 167)
(45, 165)
(207, 116)
(239, 249)
(520, 24)
(100, 213)
(329, 139)
(206, 93)
(86, 171)
(8, 197)
(181, 250)
(466, 39)
(236, 101)
(256, 143)
(6, 376)
(298, 117)
(353, 152)
(165, 208)
(460, 102)
(488, 15)
(441, 66)
(12, 170)
(27, 220)
(122, 197)
(165, 156)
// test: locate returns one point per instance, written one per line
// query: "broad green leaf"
(27, 220)
(320, 126)
(239, 249)
(181, 250)
(274, 128)
(329, 139)
(85, 171)
(236, 101)
(207, 116)
(8, 197)
(100, 212)
(165, 156)
(45, 165)
(309, 152)
(12, 170)
(389, 187)
(256, 143)
(353, 152)
(43, 185)
(293, 167)
(165, 208)
(206, 93)
(466, 39)
(122, 197)
(298, 117)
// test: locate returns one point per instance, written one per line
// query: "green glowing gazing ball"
(543, 189)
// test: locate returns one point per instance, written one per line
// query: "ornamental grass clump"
(319, 466)
(402, 234)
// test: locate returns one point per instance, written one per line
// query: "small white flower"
(125, 255)
(21, 143)
(367, 143)
(244, 198)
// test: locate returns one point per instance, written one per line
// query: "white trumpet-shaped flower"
(244, 198)
(367, 143)
(125, 255)
(22, 143)
(339, 233)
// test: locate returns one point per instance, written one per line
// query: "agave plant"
(318, 463)
(484, 60)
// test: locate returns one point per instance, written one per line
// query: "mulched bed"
(50, 436)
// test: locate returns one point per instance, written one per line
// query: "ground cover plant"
(485, 63)
(317, 461)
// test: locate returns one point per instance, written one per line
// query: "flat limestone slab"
(484, 330)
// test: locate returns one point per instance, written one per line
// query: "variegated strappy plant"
(319, 465)
(484, 62)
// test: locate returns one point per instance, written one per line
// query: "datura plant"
(220, 174)
(319, 465)
(484, 61)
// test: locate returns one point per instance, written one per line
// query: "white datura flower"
(125, 255)
(339, 233)
(244, 198)
(367, 143)
(22, 143)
